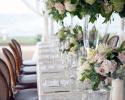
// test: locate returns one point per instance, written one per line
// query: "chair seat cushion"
(29, 63)
(28, 80)
(27, 94)
(28, 70)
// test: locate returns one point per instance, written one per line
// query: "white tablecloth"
(53, 81)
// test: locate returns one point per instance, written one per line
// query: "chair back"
(113, 41)
(19, 51)
(4, 90)
(105, 38)
(16, 57)
(5, 71)
(11, 65)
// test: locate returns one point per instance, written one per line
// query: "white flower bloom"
(91, 54)
(85, 66)
(103, 48)
(50, 4)
(70, 7)
(73, 40)
(91, 2)
(82, 68)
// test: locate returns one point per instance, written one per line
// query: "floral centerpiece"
(72, 38)
(102, 64)
(59, 8)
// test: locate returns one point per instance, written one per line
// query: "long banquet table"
(53, 80)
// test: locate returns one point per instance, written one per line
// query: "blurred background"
(24, 21)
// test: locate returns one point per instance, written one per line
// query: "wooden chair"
(19, 51)
(4, 89)
(5, 71)
(20, 69)
(11, 66)
(105, 38)
(28, 81)
(26, 94)
(113, 41)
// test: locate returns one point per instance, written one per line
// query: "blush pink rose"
(106, 67)
(60, 7)
(99, 58)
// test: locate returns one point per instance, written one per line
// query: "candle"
(117, 92)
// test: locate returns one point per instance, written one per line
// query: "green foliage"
(56, 15)
(93, 8)
(93, 76)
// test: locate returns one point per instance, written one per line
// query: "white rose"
(70, 7)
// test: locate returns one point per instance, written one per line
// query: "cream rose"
(70, 7)
(103, 48)
(91, 54)
(91, 2)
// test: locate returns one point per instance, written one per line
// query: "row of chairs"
(18, 80)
